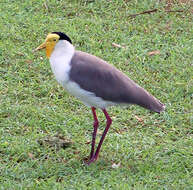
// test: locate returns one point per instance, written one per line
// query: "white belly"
(61, 73)
(60, 64)
(88, 98)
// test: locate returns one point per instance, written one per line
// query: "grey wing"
(105, 81)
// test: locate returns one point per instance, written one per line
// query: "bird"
(95, 82)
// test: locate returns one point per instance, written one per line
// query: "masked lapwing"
(95, 82)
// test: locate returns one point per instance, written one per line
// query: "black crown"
(63, 36)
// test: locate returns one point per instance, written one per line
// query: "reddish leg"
(109, 121)
(95, 126)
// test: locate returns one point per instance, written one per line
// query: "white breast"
(60, 61)
(60, 64)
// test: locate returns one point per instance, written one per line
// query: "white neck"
(63, 49)
(60, 60)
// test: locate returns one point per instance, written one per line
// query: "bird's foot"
(93, 159)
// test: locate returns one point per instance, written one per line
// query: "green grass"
(38, 118)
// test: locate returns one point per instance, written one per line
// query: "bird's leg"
(109, 121)
(95, 126)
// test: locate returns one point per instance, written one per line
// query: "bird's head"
(51, 41)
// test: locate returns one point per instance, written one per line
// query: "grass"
(45, 133)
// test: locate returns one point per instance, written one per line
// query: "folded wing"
(105, 81)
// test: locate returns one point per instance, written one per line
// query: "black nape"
(63, 36)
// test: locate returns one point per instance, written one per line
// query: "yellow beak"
(42, 46)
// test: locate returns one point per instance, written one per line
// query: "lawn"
(45, 133)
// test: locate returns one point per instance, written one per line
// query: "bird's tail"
(148, 101)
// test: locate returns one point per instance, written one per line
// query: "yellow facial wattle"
(49, 44)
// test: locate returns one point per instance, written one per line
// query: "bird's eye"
(54, 40)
